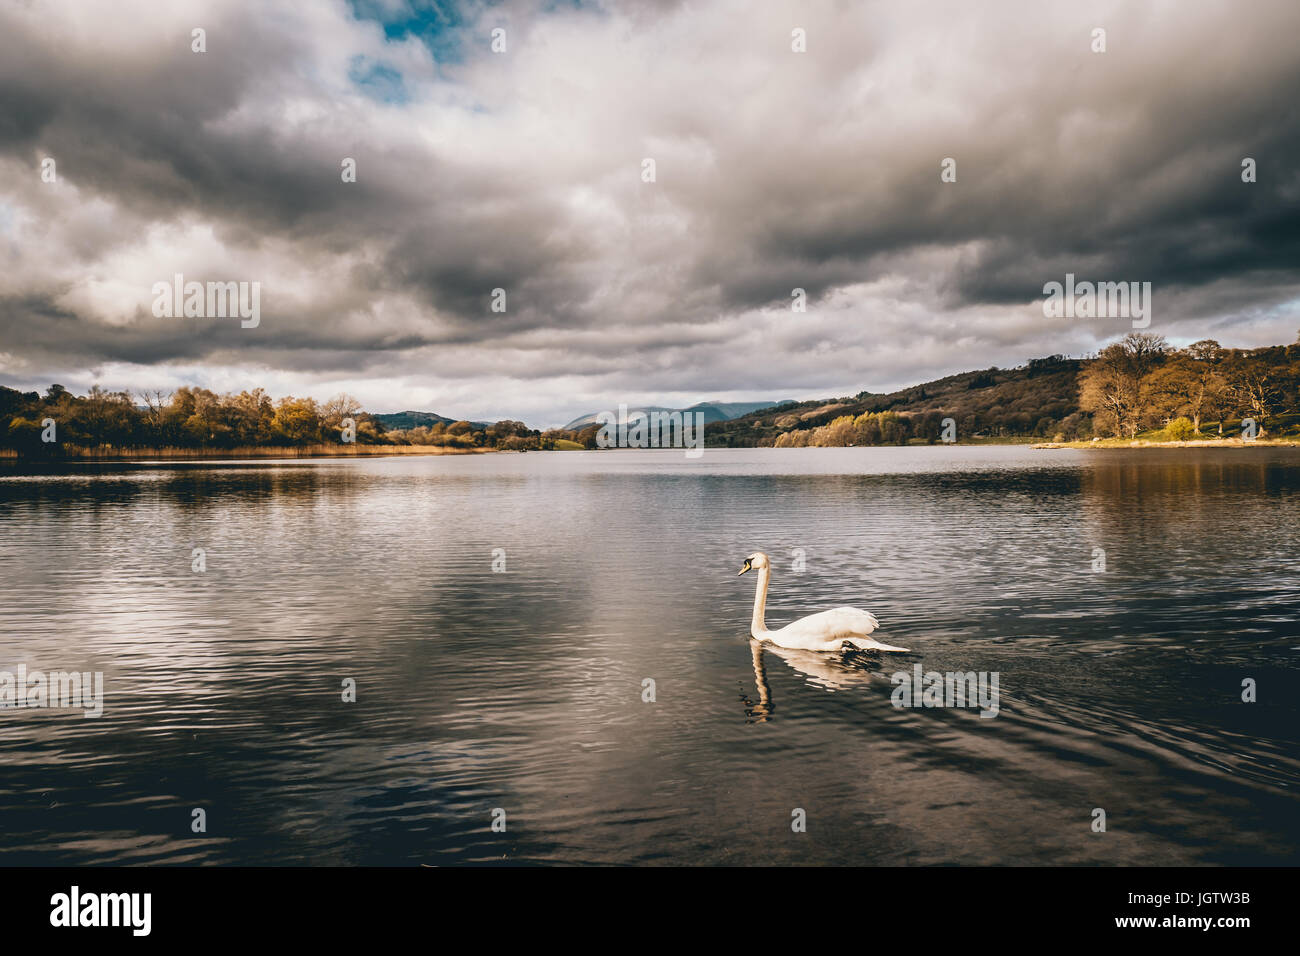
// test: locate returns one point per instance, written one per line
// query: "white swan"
(826, 631)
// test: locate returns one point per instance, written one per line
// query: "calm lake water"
(523, 690)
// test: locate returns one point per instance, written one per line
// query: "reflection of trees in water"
(1158, 488)
(1159, 514)
(201, 484)
(202, 487)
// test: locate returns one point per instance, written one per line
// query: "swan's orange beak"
(745, 568)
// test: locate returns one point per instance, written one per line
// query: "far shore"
(111, 453)
(1193, 443)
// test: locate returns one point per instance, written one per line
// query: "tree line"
(1141, 383)
(1137, 385)
(868, 428)
(1132, 386)
(200, 418)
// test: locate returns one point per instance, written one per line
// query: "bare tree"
(1257, 384)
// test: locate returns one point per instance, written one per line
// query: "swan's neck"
(760, 601)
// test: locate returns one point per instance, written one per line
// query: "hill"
(1038, 399)
(713, 412)
(408, 420)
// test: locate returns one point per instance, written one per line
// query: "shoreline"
(1111, 443)
(68, 454)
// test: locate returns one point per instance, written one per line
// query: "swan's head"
(756, 560)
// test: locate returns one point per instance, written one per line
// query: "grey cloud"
(776, 170)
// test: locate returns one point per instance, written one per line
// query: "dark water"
(522, 690)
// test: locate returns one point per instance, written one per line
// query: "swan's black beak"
(745, 568)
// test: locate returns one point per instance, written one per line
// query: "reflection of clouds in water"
(523, 690)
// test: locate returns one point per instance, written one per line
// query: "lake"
(1122, 598)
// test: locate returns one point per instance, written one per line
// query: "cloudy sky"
(523, 170)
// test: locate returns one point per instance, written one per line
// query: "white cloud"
(775, 170)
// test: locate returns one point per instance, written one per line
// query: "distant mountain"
(405, 420)
(713, 412)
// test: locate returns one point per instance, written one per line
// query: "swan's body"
(824, 631)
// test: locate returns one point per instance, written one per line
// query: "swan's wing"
(835, 624)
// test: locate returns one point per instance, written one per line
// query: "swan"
(824, 631)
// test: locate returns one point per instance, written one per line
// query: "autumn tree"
(298, 420)
(1207, 388)
(335, 411)
(106, 417)
(840, 433)
(506, 428)
(1258, 381)
(251, 416)
(1115, 386)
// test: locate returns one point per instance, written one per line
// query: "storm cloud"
(522, 170)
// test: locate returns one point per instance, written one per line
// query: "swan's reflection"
(762, 711)
(830, 671)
